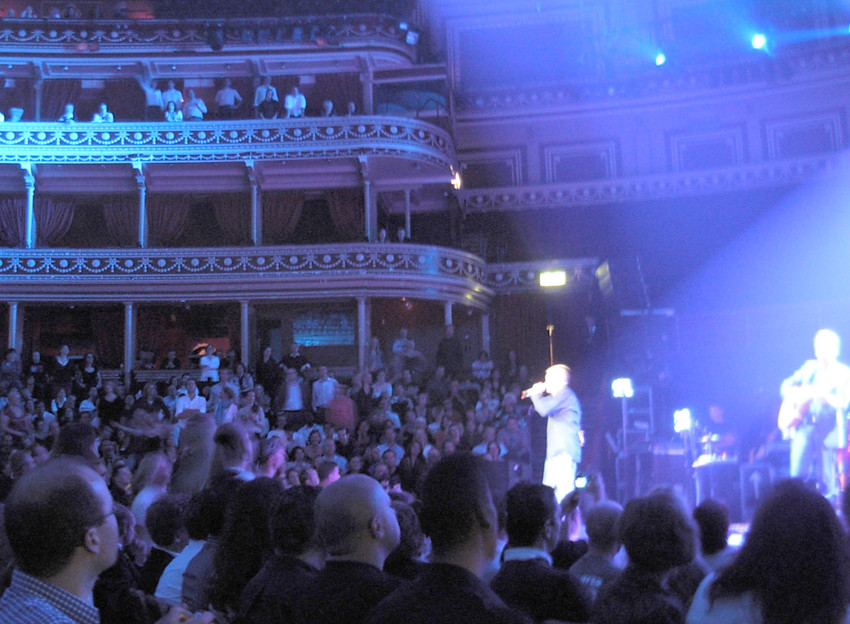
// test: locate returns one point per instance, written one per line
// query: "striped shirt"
(32, 601)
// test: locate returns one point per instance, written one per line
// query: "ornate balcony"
(318, 272)
(646, 188)
(292, 33)
(399, 151)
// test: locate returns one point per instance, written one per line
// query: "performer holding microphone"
(555, 400)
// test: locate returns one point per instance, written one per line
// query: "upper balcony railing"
(259, 273)
(111, 37)
(227, 141)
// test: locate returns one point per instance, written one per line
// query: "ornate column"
(407, 213)
(38, 85)
(447, 313)
(129, 341)
(369, 200)
(256, 207)
(143, 203)
(244, 332)
(362, 333)
(13, 325)
(485, 332)
(29, 183)
(366, 80)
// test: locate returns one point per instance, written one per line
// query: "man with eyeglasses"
(63, 532)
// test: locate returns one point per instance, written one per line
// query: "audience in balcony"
(327, 109)
(194, 108)
(68, 115)
(350, 109)
(172, 113)
(103, 115)
(227, 101)
(172, 94)
(265, 90)
(269, 107)
(153, 99)
(295, 103)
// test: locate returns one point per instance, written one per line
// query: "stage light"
(456, 181)
(412, 37)
(682, 420)
(553, 279)
(622, 388)
(759, 41)
(660, 59)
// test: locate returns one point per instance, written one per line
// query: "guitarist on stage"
(814, 413)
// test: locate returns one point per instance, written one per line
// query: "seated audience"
(597, 567)
(164, 521)
(793, 568)
(712, 518)
(459, 516)
(658, 535)
(272, 594)
(527, 579)
(358, 528)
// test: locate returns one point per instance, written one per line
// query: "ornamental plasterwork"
(794, 65)
(225, 141)
(516, 277)
(274, 262)
(647, 188)
(272, 32)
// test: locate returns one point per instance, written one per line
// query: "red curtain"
(281, 212)
(233, 214)
(55, 94)
(12, 222)
(347, 212)
(121, 213)
(167, 218)
(53, 219)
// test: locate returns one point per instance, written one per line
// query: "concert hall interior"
(420, 164)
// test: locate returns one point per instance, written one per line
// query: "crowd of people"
(171, 105)
(279, 494)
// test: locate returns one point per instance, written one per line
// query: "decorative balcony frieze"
(798, 64)
(219, 141)
(602, 192)
(260, 273)
(524, 277)
(120, 36)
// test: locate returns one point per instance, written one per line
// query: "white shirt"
(170, 583)
(324, 392)
(184, 402)
(228, 96)
(260, 94)
(209, 367)
(295, 104)
(194, 109)
(172, 95)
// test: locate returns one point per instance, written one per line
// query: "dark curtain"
(108, 328)
(347, 212)
(121, 213)
(22, 95)
(53, 219)
(12, 222)
(233, 215)
(55, 94)
(281, 211)
(125, 99)
(339, 89)
(167, 218)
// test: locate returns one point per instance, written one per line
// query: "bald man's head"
(355, 513)
(61, 510)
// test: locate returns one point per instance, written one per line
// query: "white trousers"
(559, 472)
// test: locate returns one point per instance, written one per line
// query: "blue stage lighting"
(759, 41)
(660, 59)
